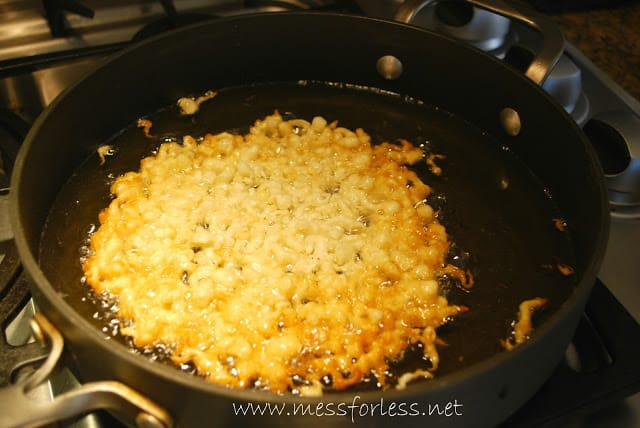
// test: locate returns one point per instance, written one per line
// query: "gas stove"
(45, 46)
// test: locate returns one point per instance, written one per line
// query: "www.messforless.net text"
(355, 409)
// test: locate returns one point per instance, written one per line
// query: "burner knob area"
(480, 28)
(615, 135)
(564, 84)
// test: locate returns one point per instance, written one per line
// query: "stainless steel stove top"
(28, 27)
(35, 67)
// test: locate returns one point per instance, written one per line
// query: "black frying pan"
(448, 96)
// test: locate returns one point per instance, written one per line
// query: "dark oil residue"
(498, 215)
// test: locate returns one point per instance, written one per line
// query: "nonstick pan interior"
(498, 214)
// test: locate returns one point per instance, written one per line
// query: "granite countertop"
(610, 38)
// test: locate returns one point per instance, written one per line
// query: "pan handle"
(17, 409)
(553, 40)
